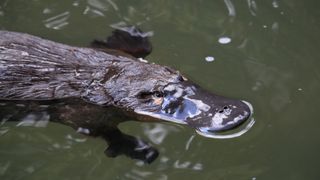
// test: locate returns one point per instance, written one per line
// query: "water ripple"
(131, 29)
(189, 142)
(57, 22)
(93, 12)
(114, 5)
(158, 132)
(98, 7)
(275, 26)
(188, 165)
(35, 119)
(4, 167)
(140, 174)
(242, 131)
(252, 7)
(3, 130)
(98, 4)
(4, 4)
(230, 6)
(275, 4)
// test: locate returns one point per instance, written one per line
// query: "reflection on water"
(158, 132)
(272, 60)
(228, 135)
(57, 21)
(270, 76)
(224, 40)
(252, 7)
(230, 6)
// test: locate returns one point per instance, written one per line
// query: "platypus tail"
(32, 68)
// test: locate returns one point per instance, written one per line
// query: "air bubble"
(224, 40)
(209, 58)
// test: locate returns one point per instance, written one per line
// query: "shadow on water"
(85, 118)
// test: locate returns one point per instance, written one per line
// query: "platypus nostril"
(224, 109)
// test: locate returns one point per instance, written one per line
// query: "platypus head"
(161, 93)
(186, 103)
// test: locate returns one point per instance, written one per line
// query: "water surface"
(266, 52)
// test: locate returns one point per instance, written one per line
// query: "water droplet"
(224, 40)
(209, 58)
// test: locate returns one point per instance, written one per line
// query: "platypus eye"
(157, 94)
(157, 97)
(150, 95)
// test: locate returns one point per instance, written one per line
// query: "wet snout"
(224, 113)
(202, 110)
(185, 103)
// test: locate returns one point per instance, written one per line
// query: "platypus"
(83, 87)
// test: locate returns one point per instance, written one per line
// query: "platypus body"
(84, 87)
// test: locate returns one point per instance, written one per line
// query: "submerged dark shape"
(130, 40)
(85, 118)
(37, 70)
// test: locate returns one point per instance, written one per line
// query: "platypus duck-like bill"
(34, 69)
(186, 103)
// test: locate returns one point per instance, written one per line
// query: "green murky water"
(266, 52)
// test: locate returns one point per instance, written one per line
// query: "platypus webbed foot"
(129, 39)
(135, 148)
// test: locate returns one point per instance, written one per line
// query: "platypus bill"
(80, 87)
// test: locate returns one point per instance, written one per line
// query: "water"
(265, 52)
